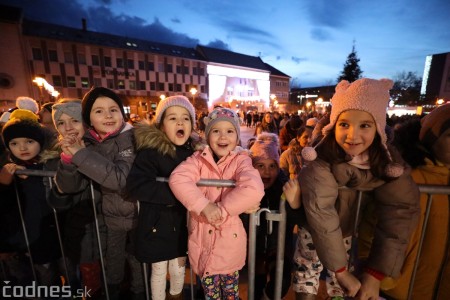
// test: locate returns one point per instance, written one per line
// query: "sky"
(308, 40)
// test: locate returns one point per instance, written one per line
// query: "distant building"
(73, 60)
(436, 77)
(312, 98)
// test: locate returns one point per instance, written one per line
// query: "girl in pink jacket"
(217, 238)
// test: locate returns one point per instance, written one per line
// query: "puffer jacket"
(330, 212)
(162, 225)
(222, 249)
(107, 163)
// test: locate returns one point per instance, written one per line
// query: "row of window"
(119, 63)
(120, 84)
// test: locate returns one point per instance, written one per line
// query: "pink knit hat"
(369, 95)
(174, 101)
(265, 147)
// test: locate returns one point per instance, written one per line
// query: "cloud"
(219, 45)
(298, 60)
(175, 20)
(328, 13)
(320, 34)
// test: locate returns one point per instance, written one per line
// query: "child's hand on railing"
(7, 173)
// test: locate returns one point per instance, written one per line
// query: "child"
(353, 154)
(80, 240)
(161, 230)
(105, 155)
(266, 159)
(217, 238)
(291, 160)
(25, 139)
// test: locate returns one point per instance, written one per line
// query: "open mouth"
(109, 124)
(222, 145)
(180, 133)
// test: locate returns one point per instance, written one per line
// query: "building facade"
(72, 60)
(436, 78)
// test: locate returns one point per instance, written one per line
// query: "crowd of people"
(109, 201)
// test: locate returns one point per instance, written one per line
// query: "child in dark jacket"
(25, 139)
(162, 231)
(105, 155)
(266, 160)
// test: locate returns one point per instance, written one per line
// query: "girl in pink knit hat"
(353, 155)
(217, 239)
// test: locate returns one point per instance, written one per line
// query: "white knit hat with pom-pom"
(369, 95)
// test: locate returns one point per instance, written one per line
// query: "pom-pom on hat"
(72, 109)
(27, 103)
(222, 114)
(369, 95)
(265, 147)
(23, 124)
(92, 95)
(174, 101)
(434, 124)
(311, 122)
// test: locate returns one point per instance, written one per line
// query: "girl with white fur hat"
(353, 154)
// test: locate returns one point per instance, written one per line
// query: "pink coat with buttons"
(219, 250)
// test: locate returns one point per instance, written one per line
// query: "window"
(107, 60)
(52, 55)
(187, 87)
(178, 69)
(57, 80)
(119, 63)
(97, 82)
(68, 57)
(194, 70)
(71, 81)
(81, 59)
(169, 68)
(142, 85)
(153, 86)
(202, 89)
(130, 64)
(202, 72)
(170, 87)
(132, 84)
(178, 87)
(84, 82)
(95, 60)
(160, 67)
(161, 86)
(37, 54)
(151, 66)
(186, 70)
(141, 65)
(110, 84)
(121, 84)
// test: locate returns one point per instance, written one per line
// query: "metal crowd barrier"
(271, 216)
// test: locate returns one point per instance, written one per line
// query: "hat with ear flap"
(365, 94)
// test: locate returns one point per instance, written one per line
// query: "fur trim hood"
(149, 136)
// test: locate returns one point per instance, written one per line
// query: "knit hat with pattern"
(265, 147)
(369, 95)
(174, 101)
(222, 114)
(90, 97)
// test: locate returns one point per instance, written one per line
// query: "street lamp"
(162, 97)
(193, 91)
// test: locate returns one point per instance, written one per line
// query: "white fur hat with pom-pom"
(365, 94)
(28, 104)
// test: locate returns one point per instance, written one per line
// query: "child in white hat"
(354, 154)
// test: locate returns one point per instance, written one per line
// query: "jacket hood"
(149, 136)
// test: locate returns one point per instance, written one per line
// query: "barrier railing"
(271, 216)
